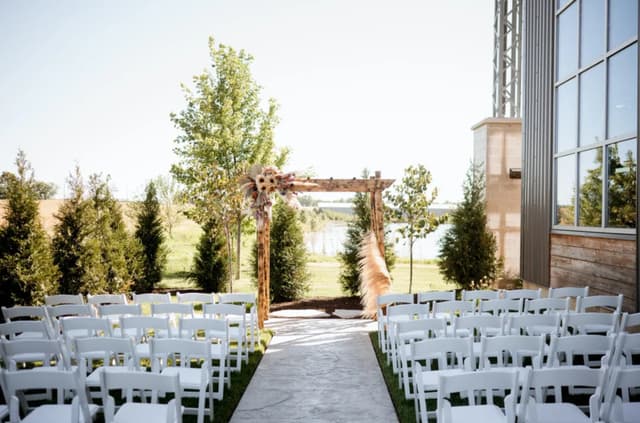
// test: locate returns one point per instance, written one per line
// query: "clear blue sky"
(360, 83)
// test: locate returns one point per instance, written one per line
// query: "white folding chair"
(384, 301)
(174, 312)
(35, 352)
(533, 324)
(547, 305)
(67, 310)
(151, 298)
(63, 380)
(602, 303)
(563, 350)
(431, 297)
(114, 312)
(449, 309)
(588, 323)
(511, 350)
(472, 384)
(627, 346)
(61, 299)
(536, 409)
(477, 325)
(630, 321)
(25, 329)
(18, 313)
(195, 298)
(479, 294)
(524, 294)
(501, 306)
(191, 360)
(215, 332)
(134, 412)
(144, 328)
(411, 331)
(569, 292)
(235, 317)
(250, 302)
(620, 409)
(400, 313)
(83, 327)
(452, 355)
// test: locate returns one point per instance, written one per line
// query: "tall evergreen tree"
(288, 273)
(468, 249)
(27, 271)
(74, 255)
(210, 262)
(150, 234)
(356, 229)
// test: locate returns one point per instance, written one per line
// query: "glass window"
(567, 116)
(566, 190)
(622, 162)
(592, 118)
(623, 21)
(562, 3)
(623, 87)
(590, 189)
(592, 34)
(567, 42)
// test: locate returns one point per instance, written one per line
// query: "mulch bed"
(326, 304)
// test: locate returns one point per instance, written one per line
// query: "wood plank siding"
(607, 266)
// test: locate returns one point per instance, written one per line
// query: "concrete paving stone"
(317, 370)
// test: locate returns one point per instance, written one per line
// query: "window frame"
(576, 74)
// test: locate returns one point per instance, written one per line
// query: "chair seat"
(430, 377)
(217, 352)
(555, 413)
(189, 377)
(477, 414)
(137, 413)
(93, 380)
(55, 413)
(538, 330)
(630, 413)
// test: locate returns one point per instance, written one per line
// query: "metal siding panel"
(537, 141)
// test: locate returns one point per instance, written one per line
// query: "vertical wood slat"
(538, 66)
(264, 241)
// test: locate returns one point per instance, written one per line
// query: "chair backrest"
(502, 306)
(450, 352)
(16, 381)
(119, 310)
(612, 303)
(453, 307)
(630, 320)
(424, 297)
(525, 294)
(475, 383)
(172, 309)
(211, 329)
(576, 323)
(530, 324)
(564, 348)
(517, 346)
(195, 297)
(101, 299)
(63, 310)
(151, 298)
(223, 310)
(480, 294)
(547, 305)
(35, 351)
(60, 299)
(420, 329)
(627, 345)
(81, 326)
(569, 291)
(539, 379)
(625, 380)
(383, 301)
(407, 311)
(115, 351)
(479, 325)
(185, 349)
(24, 313)
(237, 298)
(35, 329)
(143, 326)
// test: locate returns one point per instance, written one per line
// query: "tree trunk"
(227, 234)
(410, 264)
(263, 239)
(238, 245)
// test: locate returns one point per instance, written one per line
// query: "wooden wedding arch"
(374, 186)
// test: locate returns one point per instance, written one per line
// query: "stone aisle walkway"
(317, 370)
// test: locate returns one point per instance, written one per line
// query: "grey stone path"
(317, 370)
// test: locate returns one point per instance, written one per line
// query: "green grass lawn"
(324, 269)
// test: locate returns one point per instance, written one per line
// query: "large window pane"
(567, 56)
(623, 159)
(567, 116)
(591, 31)
(623, 99)
(623, 21)
(562, 3)
(565, 190)
(590, 188)
(592, 117)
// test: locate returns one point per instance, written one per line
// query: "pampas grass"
(374, 275)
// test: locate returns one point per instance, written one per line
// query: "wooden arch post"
(374, 186)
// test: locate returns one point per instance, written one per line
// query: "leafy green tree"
(150, 234)
(168, 196)
(73, 252)
(27, 271)
(468, 249)
(223, 132)
(288, 274)
(590, 205)
(409, 204)
(357, 228)
(622, 188)
(43, 190)
(209, 264)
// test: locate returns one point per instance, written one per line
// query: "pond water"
(329, 241)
